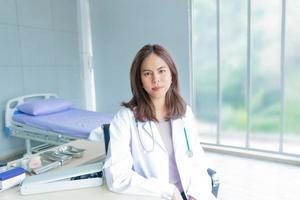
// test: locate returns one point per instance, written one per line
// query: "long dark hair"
(141, 103)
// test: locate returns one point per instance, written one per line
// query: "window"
(205, 58)
(246, 73)
(292, 78)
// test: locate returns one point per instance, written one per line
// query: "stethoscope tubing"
(189, 152)
(139, 136)
(186, 139)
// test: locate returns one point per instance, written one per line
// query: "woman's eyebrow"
(143, 70)
(161, 67)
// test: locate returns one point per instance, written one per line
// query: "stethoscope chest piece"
(189, 153)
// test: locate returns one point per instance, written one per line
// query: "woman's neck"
(160, 109)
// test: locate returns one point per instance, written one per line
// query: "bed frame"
(48, 138)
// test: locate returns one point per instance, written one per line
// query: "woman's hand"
(176, 195)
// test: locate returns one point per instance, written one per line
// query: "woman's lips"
(156, 88)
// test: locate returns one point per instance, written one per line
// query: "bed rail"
(12, 104)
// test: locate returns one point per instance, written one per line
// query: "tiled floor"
(250, 179)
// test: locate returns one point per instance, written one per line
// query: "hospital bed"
(52, 127)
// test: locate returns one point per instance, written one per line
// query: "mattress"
(72, 122)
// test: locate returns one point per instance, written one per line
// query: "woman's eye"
(146, 74)
(162, 71)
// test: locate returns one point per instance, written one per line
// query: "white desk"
(93, 151)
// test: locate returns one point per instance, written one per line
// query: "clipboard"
(74, 178)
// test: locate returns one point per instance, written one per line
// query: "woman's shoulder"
(124, 112)
(188, 110)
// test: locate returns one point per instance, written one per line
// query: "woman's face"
(156, 76)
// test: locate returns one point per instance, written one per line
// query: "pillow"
(44, 106)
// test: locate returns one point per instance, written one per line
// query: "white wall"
(38, 53)
(39, 49)
(121, 28)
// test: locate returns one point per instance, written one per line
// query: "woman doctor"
(153, 145)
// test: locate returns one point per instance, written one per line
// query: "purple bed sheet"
(72, 122)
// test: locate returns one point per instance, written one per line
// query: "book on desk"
(11, 177)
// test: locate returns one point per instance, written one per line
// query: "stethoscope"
(189, 152)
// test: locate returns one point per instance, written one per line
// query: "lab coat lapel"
(148, 125)
(179, 145)
(177, 133)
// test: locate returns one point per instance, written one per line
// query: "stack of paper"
(11, 177)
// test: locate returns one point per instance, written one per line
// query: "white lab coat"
(131, 169)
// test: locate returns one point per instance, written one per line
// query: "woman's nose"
(155, 78)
